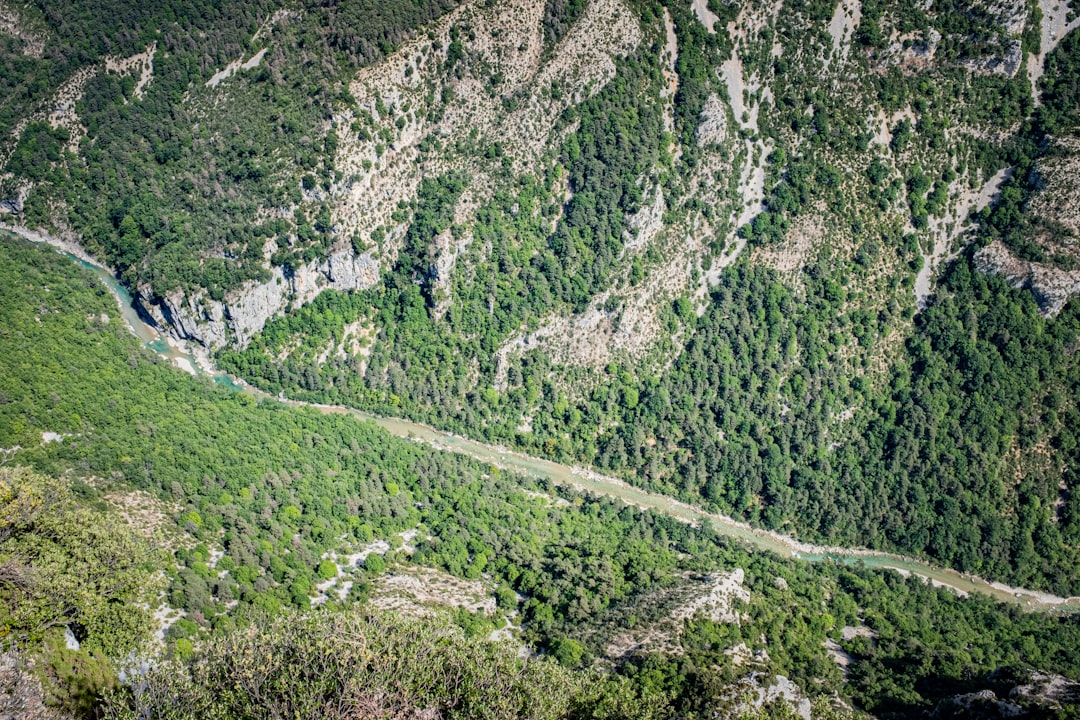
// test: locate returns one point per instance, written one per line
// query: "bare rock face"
(1036, 694)
(244, 312)
(983, 704)
(1057, 199)
(21, 694)
(1051, 286)
(1053, 691)
(713, 128)
(759, 690)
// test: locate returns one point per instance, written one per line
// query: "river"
(580, 478)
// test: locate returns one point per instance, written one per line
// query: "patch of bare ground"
(1051, 286)
(911, 52)
(717, 597)
(842, 27)
(671, 78)
(1054, 26)
(149, 516)
(263, 31)
(707, 17)
(278, 17)
(551, 500)
(790, 256)
(415, 590)
(356, 341)
(1036, 462)
(58, 111)
(417, 97)
(945, 229)
(21, 694)
(14, 24)
(141, 65)
(625, 322)
(447, 250)
(838, 654)
(1057, 199)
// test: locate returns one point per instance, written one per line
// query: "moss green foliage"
(771, 406)
(747, 418)
(352, 664)
(262, 479)
(65, 565)
(742, 421)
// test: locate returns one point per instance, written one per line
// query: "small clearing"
(142, 63)
(1055, 25)
(850, 632)
(718, 604)
(149, 516)
(716, 597)
(841, 29)
(762, 690)
(944, 230)
(357, 341)
(412, 590)
(789, 257)
(234, 67)
(58, 111)
(11, 23)
(707, 17)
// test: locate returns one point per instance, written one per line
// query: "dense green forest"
(967, 424)
(742, 265)
(148, 183)
(986, 377)
(278, 487)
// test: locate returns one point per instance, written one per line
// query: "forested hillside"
(811, 265)
(243, 510)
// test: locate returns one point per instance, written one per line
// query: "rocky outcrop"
(759, 691)
(243, 313)
(1051, 286)
(984, 705)
(1038, 695)
(1052, 691)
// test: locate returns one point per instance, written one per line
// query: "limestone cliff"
(244, 312)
